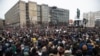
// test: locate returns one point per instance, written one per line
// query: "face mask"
(10, 40)
(68, 51)
(7, 44)
(87, 38)
(22, 46)
(63, 42)
(20, 37)
(59, 42)
(97, 39)
(40, 53)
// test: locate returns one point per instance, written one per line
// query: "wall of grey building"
(16, 16)
(2, 23)
(39, 19)
(32, 6)
(27, 16)
(45, 13)
(60, 15)
(97, 23)
(12, 16)
(22, 13)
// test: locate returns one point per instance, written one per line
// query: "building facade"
(29, 13)
(59, 15)
(97, 17)
(39, 19)
(45, 15)
(91, 17)
(16, 15)
(32, 11)
(2, 23)
(97, 23)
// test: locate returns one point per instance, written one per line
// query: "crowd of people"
(50, 41)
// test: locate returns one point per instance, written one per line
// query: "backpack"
(13, 49)
(8, 49)
(26, 51)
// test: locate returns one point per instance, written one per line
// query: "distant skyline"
(72, 5)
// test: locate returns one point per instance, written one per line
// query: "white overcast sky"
(72, 5)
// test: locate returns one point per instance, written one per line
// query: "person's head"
(84, 47)
(67, 47)
(51, 54)
(79, 52)
(44, 49)
(50, 44)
